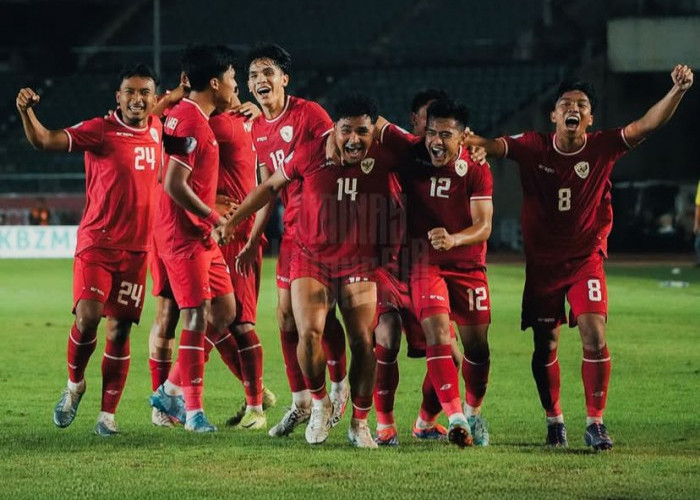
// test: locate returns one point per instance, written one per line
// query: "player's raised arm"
(256, 199)
(662, 111)
(493, 147)
(38, 136)
(479, 231)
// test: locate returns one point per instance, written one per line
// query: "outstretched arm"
(662, 111)
(479, 231)
(38, 136)
(493, 147)
(256, 199)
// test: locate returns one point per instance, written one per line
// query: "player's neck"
(569, 144)
(275, 108)
(204, 101)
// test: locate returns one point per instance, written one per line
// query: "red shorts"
(461, 293)
(116, 278)
(197, 278)
(284, 260)
(547, 286)
(159, 275)
(393, 296)
(303, 266)
(245, 288)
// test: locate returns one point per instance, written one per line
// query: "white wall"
(26, 242)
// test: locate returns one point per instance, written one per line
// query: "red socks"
(545, 369)
(316, 385)
(595, 370)
(443, 374)
(333, 342)
(227, 346)
(361, 405)
(191, 360)
(290, 339)
(430, 407)
(159, 372)
(80, 348)
(476, 377)
(115, 367)
(251, 361)
(387, 382)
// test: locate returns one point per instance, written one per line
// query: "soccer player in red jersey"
(196, 270)
(122, 158)
(449, 219)
(566, 219)
(346, 187)
(286, 121)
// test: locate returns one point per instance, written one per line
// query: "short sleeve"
(613, 143)
(398, 140)
(292, 166)
(317, 120)
(482, 182)
(86, 136)
(194, 138)
(522, 147)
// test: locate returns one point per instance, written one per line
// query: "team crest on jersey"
(286, 132)
(582, 169)
(154, 134)
(461, 167)
(367, 165)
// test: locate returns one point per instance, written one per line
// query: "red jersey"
(276, 139)
(343, 212)
(440, 197)
(566, 211)
(121, 168)
(179, 233)
(237, 160)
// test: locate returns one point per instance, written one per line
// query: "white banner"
(33, 242)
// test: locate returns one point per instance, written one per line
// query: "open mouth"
(137, 109)
(263, 91)
(353, 151)
(572, 122)
(437, 152)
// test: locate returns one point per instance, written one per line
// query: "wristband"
(213, 218)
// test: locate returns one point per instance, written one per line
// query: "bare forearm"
(658, 114)
(257, 199)
(183, 195)
(39, 136)
(261, 219)
(493, 147)
(473, 235)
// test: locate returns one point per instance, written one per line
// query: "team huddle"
(388, 227)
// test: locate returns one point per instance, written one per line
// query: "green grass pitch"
(653, 411)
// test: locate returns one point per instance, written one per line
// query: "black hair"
(201, 63)
(279, 56)
(571, 85)
(425, 96)
(356, 104)
(448, 108)
(141, 70)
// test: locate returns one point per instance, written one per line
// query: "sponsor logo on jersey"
(124, 134)
(367, 165)
(261, 139)
(582, 169)
(287, 132)
(461, 167)
(432, 296)
(96, 290)
(154, 135)
(546, 169)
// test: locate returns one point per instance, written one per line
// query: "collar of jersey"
(120, 122)
(554, 143)
(284, 110)
(185, 99)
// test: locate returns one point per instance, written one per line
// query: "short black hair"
(141, 70)
(201, 63)
(449, 108)
(425, 96)
(278, 55)
(356, 104)
(571, 85)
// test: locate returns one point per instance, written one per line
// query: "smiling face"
(572, 114)
(136, 97)
(443, 138)
(353, 138)
(266, 81)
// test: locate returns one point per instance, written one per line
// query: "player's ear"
(552, 116)
(285, 80)
(590, 121)
(116, 95)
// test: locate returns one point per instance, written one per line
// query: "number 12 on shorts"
(131, 291)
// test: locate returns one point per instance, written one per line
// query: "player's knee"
(87, 320)
(285, 319)
(388, 331)
(360, 343)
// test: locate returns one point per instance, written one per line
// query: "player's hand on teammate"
(441, 239)
(249, 110)
(247, 257)
(682, 76)
(477, 153)
(27, 98)
(225, 205)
